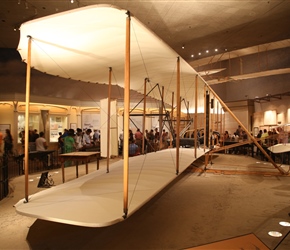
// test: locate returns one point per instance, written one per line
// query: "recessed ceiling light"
(199, 53)
(216, 50)
(284, 223)
(183, 47)
(206, 51)
(192, 55)
(275, 234)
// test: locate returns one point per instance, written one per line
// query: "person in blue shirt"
(133, 148)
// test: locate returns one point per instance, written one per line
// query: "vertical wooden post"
(195, 117)
(109, 119)
(223, 114)
(204, 119)
(126, 114)
(172, 110)
(188, 115)
(161, 118)
(213, 116)
(27, 103)
(144, 117)
(217, 119)
(178, 102)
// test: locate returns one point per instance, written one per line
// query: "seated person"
(133, 148)
(87, 142)
(224, 138)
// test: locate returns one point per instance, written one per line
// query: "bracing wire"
(142, 57)
(38, 45)
(89, 94)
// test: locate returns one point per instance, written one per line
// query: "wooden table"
(78, 156)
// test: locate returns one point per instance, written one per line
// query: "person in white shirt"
(87, 142)
(79, 139)
(40, 143)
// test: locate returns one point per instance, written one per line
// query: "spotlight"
(284, 223)
(199, 53)
(183, 47)
(72, 1)
(216, 50)
(207, 51)
(192, 55)
(275, 234)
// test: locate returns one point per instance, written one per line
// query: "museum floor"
(237, 195)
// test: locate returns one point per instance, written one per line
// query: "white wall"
(280, 106)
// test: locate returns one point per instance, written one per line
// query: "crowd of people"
(153, 141)
(238, 135)
(265, 138)
(79, 140)
(68, 141)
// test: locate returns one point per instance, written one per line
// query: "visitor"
(8, 142)
(40, 142)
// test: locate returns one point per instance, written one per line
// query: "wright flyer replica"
(106, 45)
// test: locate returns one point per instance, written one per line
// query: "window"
(57, 124)
(33, 124)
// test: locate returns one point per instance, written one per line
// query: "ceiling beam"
(250, 76)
